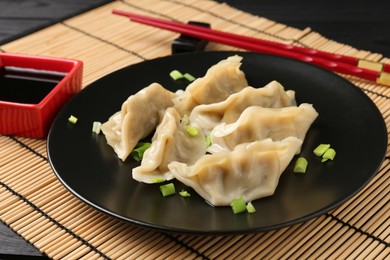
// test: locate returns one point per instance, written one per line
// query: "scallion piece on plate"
(321, 149)
(192, 130)
(184, 193)
(96, 127)
(250, 208)
(208, 141)
(300, 165)
(189, 77)
(167, 189)
(328, 155)
(138, 152)
(238, 205)
(72, 119)
(158, 180)
(175, 74)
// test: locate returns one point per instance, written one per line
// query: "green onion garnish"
(208, 141)
(328, 155)
(189, 77)
(96, 127)
(300, 165)
(250, 208)
(192, 131)
(325, 151)
(238, 205)
(72, 119)
(175, 74)
(167, 189)
(139, 150)
(158, 180)
(184, 193)
(321, 149)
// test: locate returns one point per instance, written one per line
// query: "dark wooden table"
(362, 24)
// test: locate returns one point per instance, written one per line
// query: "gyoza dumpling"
(272, 95)
(138, 117)
(220, 81)
(250, 171)
(257, 123)
(171, 142)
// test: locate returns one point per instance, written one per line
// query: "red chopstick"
(337, 63)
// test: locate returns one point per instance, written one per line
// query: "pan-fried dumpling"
(220, 81)
(250, 171)
(272, 95)
(257, 123)
(171, 142)
(138, 117)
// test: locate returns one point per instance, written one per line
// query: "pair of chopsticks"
(372, 71)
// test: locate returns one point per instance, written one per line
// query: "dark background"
(362, 24)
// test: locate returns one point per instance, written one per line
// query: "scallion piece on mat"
(300, 165)
(250, 208)
(189, 77)
(238, 205)
(96, 127)
(138, 152)
(328, 155)
(167, 189)
(175, 74)
(321, 149)
(72, 119)
(184, 193)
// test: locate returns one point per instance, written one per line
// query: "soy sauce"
(24, 85)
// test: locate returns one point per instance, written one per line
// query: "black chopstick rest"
(186, 43)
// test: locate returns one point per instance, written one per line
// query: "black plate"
(348, 120)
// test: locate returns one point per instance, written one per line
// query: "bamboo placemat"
(36, 206)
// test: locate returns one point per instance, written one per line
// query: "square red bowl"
(22, 116)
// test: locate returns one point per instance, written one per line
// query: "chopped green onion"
(184, 193)
(96, 127)
(208, 141)
(192, 130)
(175, 74)
(321, 149)
(158, 180)
(167, 189)
(300, 165)
(139, 150)
(250, 208)
(238, 205)
(328, 155)
(72, 119)
(189, 77)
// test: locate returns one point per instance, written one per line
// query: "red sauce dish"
(33, 89)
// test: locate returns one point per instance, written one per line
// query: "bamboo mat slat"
(36, 206)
